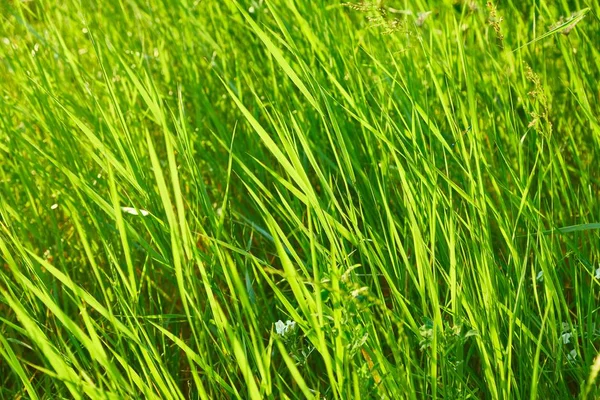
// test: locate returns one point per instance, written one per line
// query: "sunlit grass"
(271, 199)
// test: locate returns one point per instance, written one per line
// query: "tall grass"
(414, 193)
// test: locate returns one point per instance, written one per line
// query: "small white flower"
(565, 327)
(290, 325)
(54, 206)
(597, 276)
(133, 211)
(572, 356)
(282, 328)
(540, 276)
(566, 337)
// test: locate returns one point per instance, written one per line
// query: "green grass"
(418, 193)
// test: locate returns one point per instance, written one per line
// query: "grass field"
(299, 199)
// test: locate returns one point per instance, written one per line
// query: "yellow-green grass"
(409, 188)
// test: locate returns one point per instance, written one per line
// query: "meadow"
(268, 199)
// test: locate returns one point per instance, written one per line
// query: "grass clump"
(269, 199)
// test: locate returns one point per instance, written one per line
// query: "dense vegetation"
(299, 199)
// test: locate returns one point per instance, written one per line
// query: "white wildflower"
(282, 328)
(54, 206)
(133, 211)
(566, 337)
(597, 276)
(572, 356)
